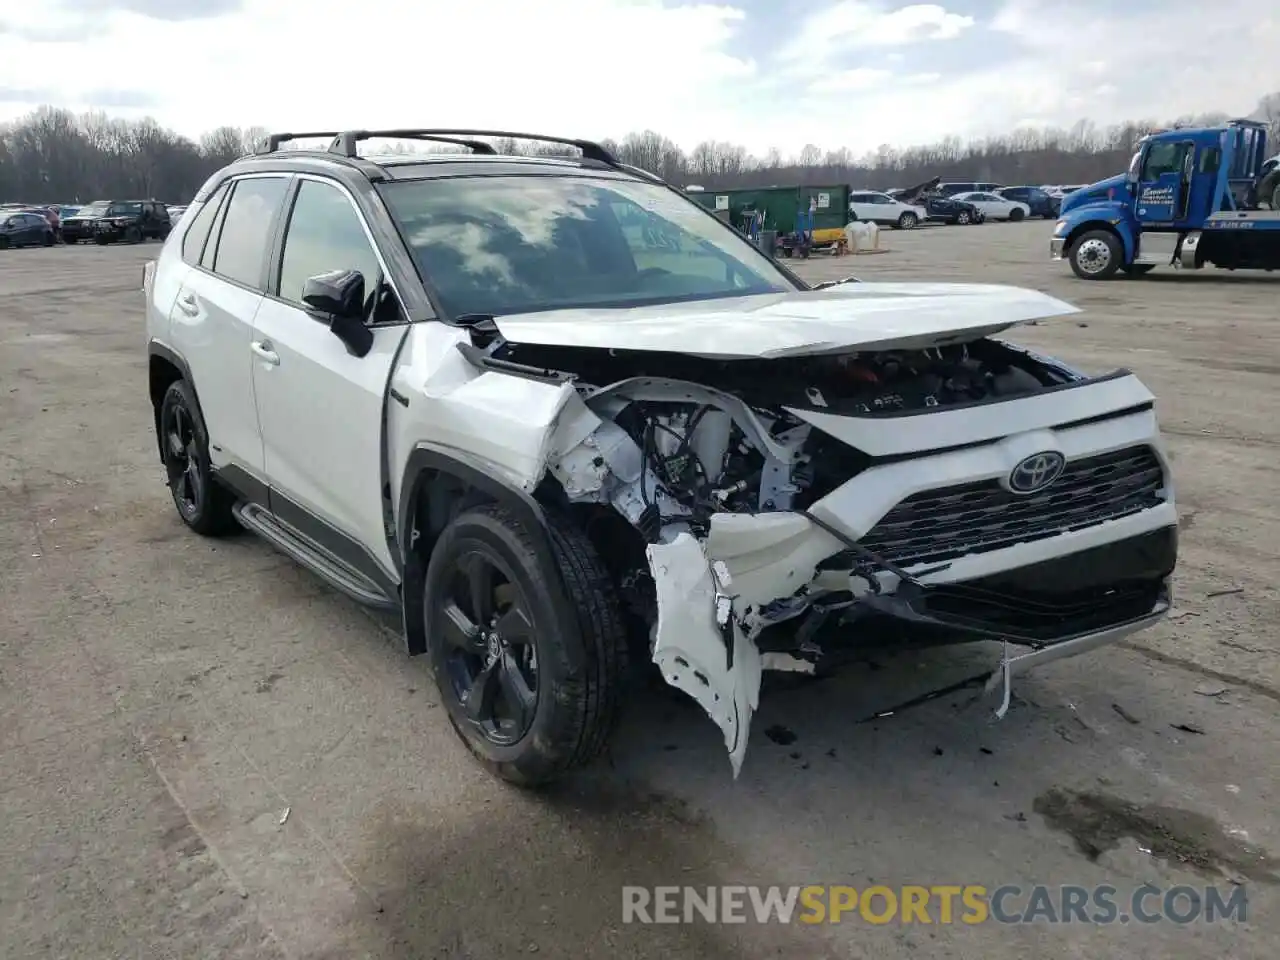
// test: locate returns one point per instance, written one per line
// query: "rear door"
(321, 408)
(212, 318)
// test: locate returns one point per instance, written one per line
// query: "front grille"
(950, 522)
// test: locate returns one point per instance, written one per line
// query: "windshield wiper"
(834, 283)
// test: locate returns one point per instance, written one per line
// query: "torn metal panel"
(698, 644)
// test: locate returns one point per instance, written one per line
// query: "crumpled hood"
(853, 316)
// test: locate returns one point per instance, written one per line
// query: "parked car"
(107, 221)
(951, 210)
(457, 387)
(996, 207)
(24, 229)
(1038, 202)
(951, 188)
(176, 211)
(876, 207)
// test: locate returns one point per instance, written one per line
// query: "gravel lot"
(165, 700)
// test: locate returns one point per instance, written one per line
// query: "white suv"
(875, 207)
(564, 420)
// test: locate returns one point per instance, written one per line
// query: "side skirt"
(326, 552)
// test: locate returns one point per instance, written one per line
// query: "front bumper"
(1056, 247)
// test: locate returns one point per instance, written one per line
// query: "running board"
(311, 555)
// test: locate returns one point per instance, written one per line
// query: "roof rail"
(273, 141)
(344, 143)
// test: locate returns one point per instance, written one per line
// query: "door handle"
(187, 304)
(264, 352)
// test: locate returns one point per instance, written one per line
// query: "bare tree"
(51, 155)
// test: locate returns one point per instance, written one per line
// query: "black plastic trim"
(426, 462)
(252, 490)
(157, 349)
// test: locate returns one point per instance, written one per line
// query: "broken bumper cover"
(1056, 246)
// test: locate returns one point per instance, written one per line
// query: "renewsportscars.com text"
(939, 904)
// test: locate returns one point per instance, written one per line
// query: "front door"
(1163, 181)
(319, 407)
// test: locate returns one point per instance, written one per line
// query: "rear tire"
(557, 715)
(202, 503)
(4, 243)
(1096, 255)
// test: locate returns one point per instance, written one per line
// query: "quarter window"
(325, 234)
(246, 229)
(198, 233)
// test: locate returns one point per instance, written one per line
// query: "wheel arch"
(165, 368)
(1120, 230)
(437, 485)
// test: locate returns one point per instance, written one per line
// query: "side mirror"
(338, 299)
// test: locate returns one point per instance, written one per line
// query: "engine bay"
(716, 437)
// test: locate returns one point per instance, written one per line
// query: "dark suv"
(1041, 204)
(106, 221)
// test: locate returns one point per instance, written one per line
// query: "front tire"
(1097, 255)
(908, 221)
(962, 218)
(502, 644)
(203, 504)
(1016, 215)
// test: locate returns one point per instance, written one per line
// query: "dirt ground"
(206, 753)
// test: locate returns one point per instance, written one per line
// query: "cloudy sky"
(763, 73)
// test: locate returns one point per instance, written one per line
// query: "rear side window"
(198, 233)
(246, 229)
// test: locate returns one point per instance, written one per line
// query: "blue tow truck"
(1190, 198)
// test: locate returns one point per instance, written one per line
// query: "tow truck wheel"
(1096, 255)
(531, 667)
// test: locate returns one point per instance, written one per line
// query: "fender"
(157, 349)
(428, 461)
(1100, 216)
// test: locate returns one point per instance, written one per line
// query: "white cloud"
(577, 67)
(856, 73)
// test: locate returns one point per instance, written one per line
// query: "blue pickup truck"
(1190, 198)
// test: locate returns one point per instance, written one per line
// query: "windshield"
(98, 206)
(519, 244)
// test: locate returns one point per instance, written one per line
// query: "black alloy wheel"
(488, 653)
(202, 503)
(526, 640)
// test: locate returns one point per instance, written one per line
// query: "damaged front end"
(796, 508)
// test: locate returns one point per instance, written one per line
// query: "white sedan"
(877, 207)
(995, 207)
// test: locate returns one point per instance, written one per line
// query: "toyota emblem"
(1037, 472)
